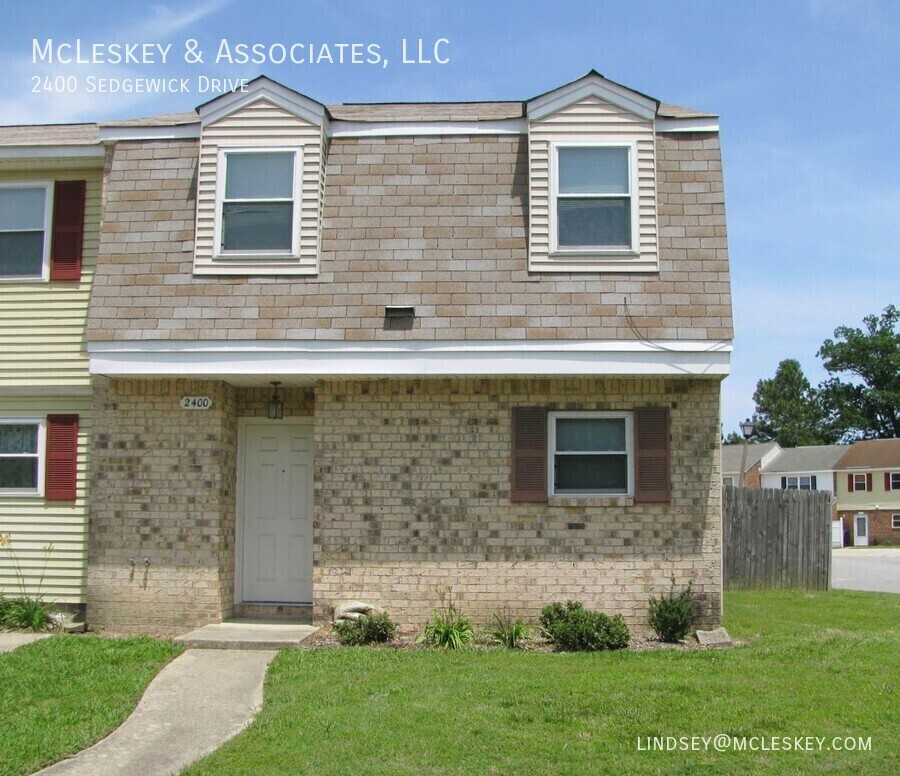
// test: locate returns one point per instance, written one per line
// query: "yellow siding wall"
(260, 124)
(590, 119)
(42, 323)
(44, 370)
(877, 498)
(33, 523)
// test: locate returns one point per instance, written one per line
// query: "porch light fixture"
(276, 405)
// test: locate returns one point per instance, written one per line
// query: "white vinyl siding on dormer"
(259, 125)
(591, 121)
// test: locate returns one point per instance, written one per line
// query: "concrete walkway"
(247, 633)
(195, 704)
(13, 639)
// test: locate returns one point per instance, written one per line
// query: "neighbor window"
(590, 453)
(728, 480)
(799, 483)
(594, 198)
(895, 521)
(21, 446)
(859, 482)
(25, 211)
(895, 480)
(258, 209)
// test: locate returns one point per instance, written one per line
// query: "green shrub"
(509, 632)
(572, 628)
(670, 614)
(25, 613)
(368, 629)
(448, 629)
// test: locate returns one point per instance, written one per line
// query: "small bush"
(670, 614)
(448, 629)
(572, 628)
(509, 632)
(25, 613)
(368, 629)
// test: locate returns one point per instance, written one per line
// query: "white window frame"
(798, 482)
(47, 186)
(633, 194)
(552, 417)
(296, 200)
(895, 522)
(41, 423)
(856, 485)
(892, 478)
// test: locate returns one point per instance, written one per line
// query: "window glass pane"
(21, 254)
(895, 481)
(16, 438)
(594, 222)
(591, 474)
(594, 434)
(260, 176)
(22, 208)
(18, 473)
(593, 171)
(266, 226)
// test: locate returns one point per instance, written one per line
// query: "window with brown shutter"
(652, 456)
(68, 230)
(850, 483)
(529, 454)
(869, 482)
(62, 458)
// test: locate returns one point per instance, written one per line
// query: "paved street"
(876, 569)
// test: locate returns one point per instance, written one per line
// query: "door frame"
(242, 424)
(856, 517)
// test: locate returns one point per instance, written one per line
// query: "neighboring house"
(50, 203)
(498, 332)
(758, 455)
(868, 492)
(803, 468)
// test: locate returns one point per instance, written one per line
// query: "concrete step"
(247, 633)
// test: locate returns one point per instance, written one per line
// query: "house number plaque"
(196, 403)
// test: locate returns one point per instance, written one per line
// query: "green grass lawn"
(60, 695)
(815, 664)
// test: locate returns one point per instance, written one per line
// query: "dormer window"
(257, 209)
(594, 209)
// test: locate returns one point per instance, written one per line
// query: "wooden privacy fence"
(776, 538)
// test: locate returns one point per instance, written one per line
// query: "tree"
(867, 406)
(789, 410)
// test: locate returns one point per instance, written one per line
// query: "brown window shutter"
(68, 230)
(529, 454)
(887, 482)
(850, 483)
(62, 458)
(652, 459)
(869, 481)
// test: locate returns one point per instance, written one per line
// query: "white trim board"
(220, 360)
(53, 152)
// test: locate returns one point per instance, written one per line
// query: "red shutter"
(529, 454)
(887, 482)
(652, 459)
(62, 458)
(869, 481)
(850, 483)
(68, 230)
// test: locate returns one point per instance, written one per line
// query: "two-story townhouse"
(50, 208)
(802, 468)
(379, 351)
(868, 492)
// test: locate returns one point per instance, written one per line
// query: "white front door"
(276, 513)
(860, 530)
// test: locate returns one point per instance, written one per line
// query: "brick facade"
(411, 498)
(439, 223)
(881, 530)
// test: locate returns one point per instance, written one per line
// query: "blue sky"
(808, 92)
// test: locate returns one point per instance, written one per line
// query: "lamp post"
(747, 430)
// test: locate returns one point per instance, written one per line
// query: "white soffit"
(263, 89)
(591, 86)
(90, 151)
(417, 358)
